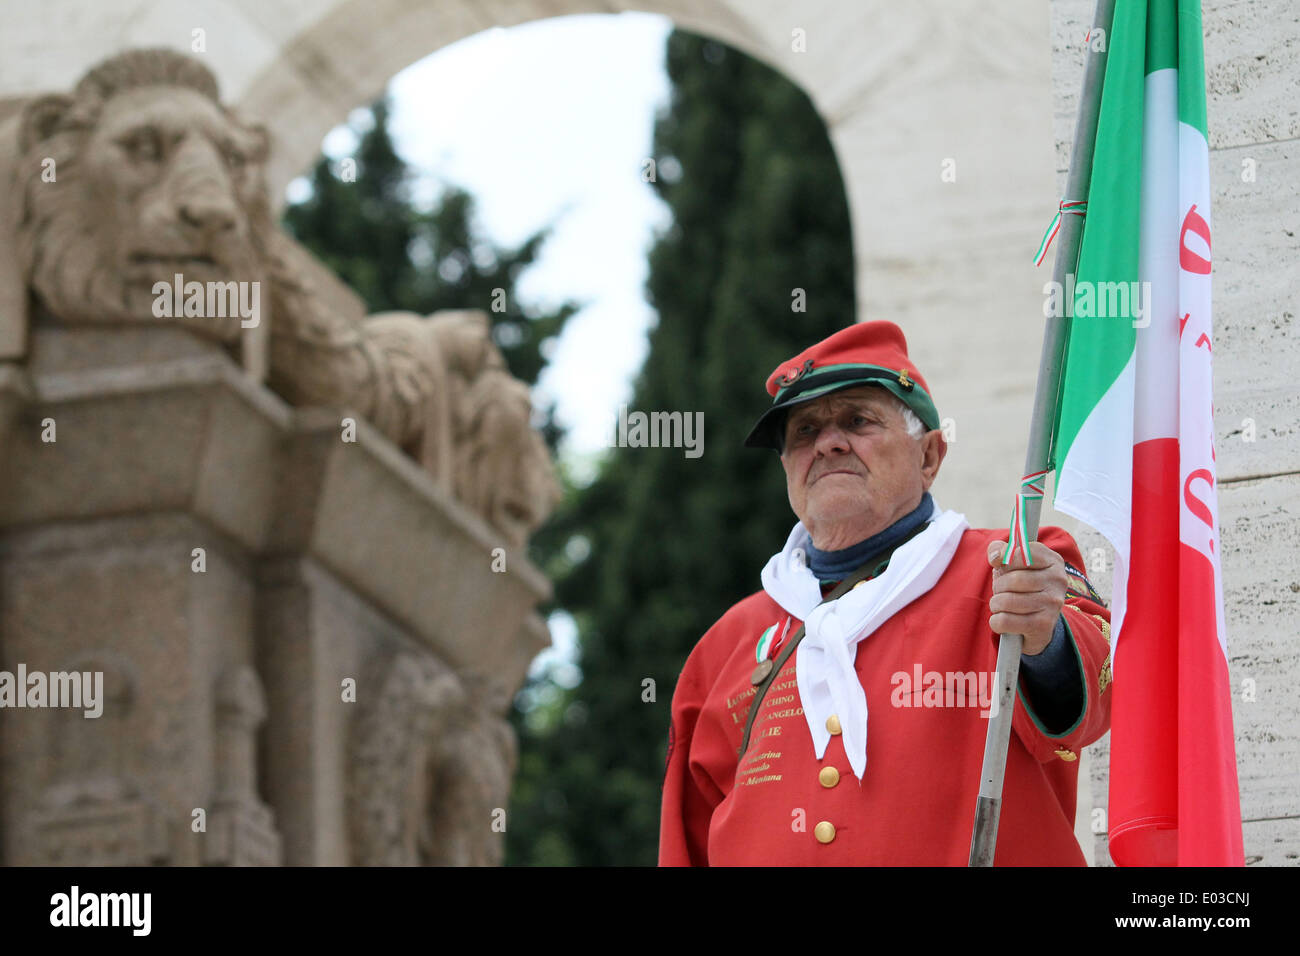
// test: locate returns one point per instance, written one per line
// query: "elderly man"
(880, 606)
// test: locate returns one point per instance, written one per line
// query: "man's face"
(851, 468)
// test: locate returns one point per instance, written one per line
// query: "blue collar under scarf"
(834, 565)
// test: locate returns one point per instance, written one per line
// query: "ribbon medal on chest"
(768, 643)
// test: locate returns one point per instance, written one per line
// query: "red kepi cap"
(866, 353)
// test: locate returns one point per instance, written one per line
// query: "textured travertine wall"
(909, 92)
(1252, 65)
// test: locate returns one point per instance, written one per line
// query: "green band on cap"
(846, 375)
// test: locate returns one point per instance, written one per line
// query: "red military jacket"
(922, 671)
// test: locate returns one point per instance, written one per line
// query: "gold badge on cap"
(904, 380)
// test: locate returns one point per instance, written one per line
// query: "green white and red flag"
(1133, 445)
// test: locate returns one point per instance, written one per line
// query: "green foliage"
(758, 210)
(364, 225)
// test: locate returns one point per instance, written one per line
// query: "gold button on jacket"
(833, 724)
(824, 831)
(829, 776)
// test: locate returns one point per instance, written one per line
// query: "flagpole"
(988, 805)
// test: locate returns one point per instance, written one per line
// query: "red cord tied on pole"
(1031, 486)
(1070, 207)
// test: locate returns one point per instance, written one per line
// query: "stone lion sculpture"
(140, 177)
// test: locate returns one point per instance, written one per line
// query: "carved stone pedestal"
(301, 637)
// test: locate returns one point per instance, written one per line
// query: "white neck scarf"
(824, 670)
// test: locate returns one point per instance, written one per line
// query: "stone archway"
(902, 88)
(940, 117)
(345, 59)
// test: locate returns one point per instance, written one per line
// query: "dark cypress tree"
(653, 552)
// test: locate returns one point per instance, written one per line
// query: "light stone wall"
(903, 88)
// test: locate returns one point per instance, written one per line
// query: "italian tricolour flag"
(1134, 444)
